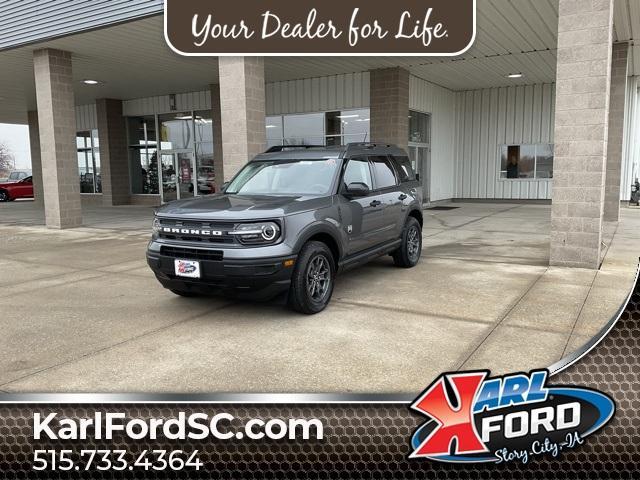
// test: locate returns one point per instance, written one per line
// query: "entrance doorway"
(420, 156)
(177, 176)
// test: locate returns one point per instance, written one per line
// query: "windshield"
(291, 177)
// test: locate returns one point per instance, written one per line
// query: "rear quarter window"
(383, 172)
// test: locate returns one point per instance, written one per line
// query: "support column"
(242, 110)
(218, 165)
(618, 95)
(114, 155)
(57, 122)
(581, 119)
(36, 161)
(389, 100)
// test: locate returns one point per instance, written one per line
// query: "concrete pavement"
(83, 313)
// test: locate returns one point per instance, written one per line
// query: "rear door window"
(357, 171)
(403, 167)
(383, 173)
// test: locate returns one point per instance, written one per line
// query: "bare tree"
(6, 160)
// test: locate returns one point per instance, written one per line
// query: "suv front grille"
(197, 225)
(191, 253)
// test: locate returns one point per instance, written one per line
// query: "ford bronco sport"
(291, 220)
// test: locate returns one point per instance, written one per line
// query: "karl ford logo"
(330, 27)
(473, 418)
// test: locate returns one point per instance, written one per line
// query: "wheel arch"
(325, 234)
(417, 214)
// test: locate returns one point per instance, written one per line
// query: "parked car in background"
(10, 191)
(16, 175)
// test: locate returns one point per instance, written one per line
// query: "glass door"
(168, 177)
(186, 175)
(420, 156)
(178, 179)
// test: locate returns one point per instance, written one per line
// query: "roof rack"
(282, 148)
(368, 145)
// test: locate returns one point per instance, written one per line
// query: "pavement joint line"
(411, 311)
(70, 282)
(118, 344)
(435, 216)
(499, 322)
(497, 262)
(100, 273)
(566, 345)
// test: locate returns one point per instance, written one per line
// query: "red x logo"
(452, 422)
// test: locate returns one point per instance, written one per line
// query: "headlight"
(155, 227)
(257, 233)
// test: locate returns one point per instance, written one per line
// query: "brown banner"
(329, 27)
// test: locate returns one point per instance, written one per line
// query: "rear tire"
(408, 253)
(4, 196)
(184, 293)
(313, 279)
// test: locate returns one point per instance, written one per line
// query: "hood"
(242, 207)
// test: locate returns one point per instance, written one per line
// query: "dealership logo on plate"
(477, 418)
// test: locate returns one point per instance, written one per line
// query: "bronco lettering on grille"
(192, 231)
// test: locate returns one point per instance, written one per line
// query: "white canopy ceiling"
(133, 61)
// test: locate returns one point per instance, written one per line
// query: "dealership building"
(544, 107)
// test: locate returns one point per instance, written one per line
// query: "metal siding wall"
(86, 117)
(440, 103)
(28, 21)
(486, 119)
(335, 92)
(161, 104)
(631, 147)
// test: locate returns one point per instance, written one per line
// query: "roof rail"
(367, 145)
(282, 148)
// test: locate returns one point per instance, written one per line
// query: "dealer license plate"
(187, 268)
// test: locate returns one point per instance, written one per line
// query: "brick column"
(242, 111)
(617, 99)
(114, 155)
(216, 125)
(36, 161)
(389, 98)
(582, 115)
(57, 122)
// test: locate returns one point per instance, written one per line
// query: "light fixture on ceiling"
(515, 75)
(89, 81)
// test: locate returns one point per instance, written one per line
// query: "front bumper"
(258, 278)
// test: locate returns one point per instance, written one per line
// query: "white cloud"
(16, 137)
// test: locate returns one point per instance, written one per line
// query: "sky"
(16, 137)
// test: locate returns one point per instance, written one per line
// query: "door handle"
(402, 197)
(376, 203)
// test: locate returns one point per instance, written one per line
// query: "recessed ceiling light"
(515, 75)
(88, 81)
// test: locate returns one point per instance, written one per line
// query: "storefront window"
(275, 131)
(203, 125)
(526, 162)
(419, 127)
(306, 129)
(346, 127)
(176, 131)
(143, 155)
(88, 161)
(330, 128)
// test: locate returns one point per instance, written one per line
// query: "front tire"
(313, 279)
(408, 254)
(4, 196)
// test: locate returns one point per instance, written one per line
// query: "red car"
(20, 189)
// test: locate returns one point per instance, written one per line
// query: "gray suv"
(290, 220)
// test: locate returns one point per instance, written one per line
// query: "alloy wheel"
(318, 278)
(413, 243)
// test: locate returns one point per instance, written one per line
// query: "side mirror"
(357, 189)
